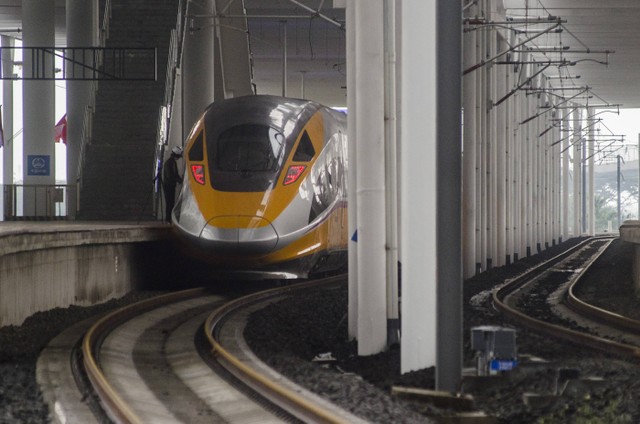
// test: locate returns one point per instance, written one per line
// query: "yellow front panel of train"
(266, 204)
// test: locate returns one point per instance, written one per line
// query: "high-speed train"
(264, 190)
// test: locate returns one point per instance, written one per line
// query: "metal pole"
(351, 175)
(591, 191)
(284, 58)
(469, 158)
(618, 177)
(449, 268)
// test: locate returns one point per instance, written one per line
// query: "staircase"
(117, 177)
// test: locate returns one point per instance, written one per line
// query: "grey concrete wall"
(43, 267)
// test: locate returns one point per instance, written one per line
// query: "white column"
(482, 153)
(418, 183)
(7, 115)
(469, 158)
(509, 193)
(555, 135)
(531, 180)
(372, 323)
(591, 206)
(565, 135)
(517, 177)
(391, 169)
(352, 178)
(197, 65)
(500, 170)
(479, 137)
(38, 107)
(577, 173)
(492, 175)
(82, 29)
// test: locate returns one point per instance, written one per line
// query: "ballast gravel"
(291, 333)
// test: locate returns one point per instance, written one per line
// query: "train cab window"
(305, 150)
(196, 153)
(249, 147)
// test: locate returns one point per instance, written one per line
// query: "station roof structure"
(597, 26)
(316, 46)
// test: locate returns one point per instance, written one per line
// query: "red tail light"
(293, 173)
(198, 173)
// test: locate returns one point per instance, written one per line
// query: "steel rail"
(592, 311)
(596, 342)
(285, 398)
(115, 407)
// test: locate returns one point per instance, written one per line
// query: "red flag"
(61, 130)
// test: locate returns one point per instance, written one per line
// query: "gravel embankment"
(289, 334)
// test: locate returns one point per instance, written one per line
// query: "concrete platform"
(44, 265)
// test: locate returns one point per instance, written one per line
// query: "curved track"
(591, 326)
(142, 362)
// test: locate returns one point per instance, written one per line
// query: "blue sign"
(39, 165)
(502, 365)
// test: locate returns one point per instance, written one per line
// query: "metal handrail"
(56, 200)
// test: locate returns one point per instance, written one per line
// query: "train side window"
(196, 153)
(305, 150)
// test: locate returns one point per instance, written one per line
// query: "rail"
(288, 399)
(573, 336)
(33, 201)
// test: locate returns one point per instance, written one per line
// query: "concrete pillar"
(481, 151)
(565, 135)
(524, 177)
(516, 177)
(509, 193)
(448, 189)
(479, 137)
(500, 170)
(82, 31)
(557, 178)
(7, 115)
(418, 183)
(591, 207)
(469, 157)
(38, 108)
(372, 324)
(492, 156)
(352, 177)
(577, 172)
(530, 165)
(197, 63)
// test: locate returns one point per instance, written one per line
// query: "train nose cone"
(241, 234)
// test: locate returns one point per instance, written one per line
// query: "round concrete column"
(198, 64)
(38, 109)
(82, 31)
(7, 115)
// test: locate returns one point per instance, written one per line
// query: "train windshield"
(249, 148)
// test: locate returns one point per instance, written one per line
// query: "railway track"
(142, 363)
(544, 299)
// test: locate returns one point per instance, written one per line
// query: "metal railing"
(33, 201)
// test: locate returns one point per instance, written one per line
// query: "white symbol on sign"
(38, 163)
